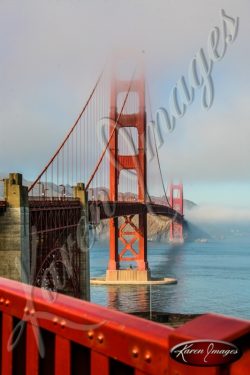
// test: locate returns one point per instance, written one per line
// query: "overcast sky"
(52, 50)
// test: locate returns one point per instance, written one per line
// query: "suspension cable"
(112, 133)
(155, 144)
(68, 134)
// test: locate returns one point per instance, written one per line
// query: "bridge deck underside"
(97, 209)
(51, 215)
(53, 243)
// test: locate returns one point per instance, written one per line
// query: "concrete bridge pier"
(14, 231)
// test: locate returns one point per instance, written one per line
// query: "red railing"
(45, 333)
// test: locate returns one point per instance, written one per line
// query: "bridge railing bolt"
(148, 357)
(90, 335)
(100, 338)
(135, 353)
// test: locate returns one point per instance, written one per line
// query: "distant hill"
(158, 226)
(189, 205)
(95, 194)
(53, 189)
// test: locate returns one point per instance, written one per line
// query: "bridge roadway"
(100, 210)
(107, 209)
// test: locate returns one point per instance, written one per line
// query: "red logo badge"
(205, 353)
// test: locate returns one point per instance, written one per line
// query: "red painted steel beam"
(213, 327)
(136, 342)
(32, 355)
(108, 334)
(128, 120)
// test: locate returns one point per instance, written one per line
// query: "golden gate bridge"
(103, 154)
(82, 184)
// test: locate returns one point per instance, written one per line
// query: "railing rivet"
(63, 323)
(90, 335)
(26, 310)
(148, 357)
(55, 320)
(135, 352)
(100, 338)
(7, 302)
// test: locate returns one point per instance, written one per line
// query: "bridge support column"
(128, 241)
(83, 242)
(14, 231)
(176, 202)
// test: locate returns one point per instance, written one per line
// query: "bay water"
(212, 276)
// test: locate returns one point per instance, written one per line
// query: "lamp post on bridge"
(43, 189)
(63, 192)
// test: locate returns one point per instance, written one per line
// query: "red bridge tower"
(176, 202)
(128, 233)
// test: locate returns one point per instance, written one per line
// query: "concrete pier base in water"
(130, 276)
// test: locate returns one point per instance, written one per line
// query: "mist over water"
(204, 215)
(213, 276)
